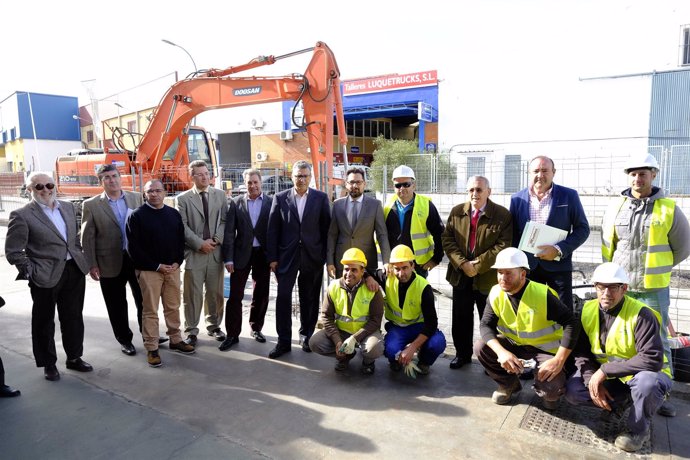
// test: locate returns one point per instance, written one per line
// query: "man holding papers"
(544, 202)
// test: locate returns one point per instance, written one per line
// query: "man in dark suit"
(296, 242)
(343, 234)
(43, 243)
(244, 251)
(105, 246)
(557, 206)
(475, 233)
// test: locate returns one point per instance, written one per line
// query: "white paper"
(536, 234)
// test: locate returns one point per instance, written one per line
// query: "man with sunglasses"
(296, 243)
(43, 243)
(620, 357)
(412, 220)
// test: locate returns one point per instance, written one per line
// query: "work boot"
(504, 394)
(631, 442)
(153, 358)
(550, 404)
(666, 409)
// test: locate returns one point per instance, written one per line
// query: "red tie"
(473, 229)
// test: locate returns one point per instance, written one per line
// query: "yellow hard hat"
(354, 256)
(401, 253)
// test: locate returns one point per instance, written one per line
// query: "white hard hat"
(403, 171)
(610, 273)
(511, 258)
(642, 161)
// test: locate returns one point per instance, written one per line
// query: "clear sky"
(500, 61)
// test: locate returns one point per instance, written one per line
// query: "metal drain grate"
(582, 425)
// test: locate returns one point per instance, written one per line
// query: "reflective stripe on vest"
(620, 341)
(411, 312)
(529, 326)
(659, 258)
(422, 240)
(359, 312)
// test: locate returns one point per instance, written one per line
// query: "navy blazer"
(566, 213)
(294, 244)
(239, 232)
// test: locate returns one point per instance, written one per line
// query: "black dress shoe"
(162, 340)
(79, 365)
(259, 337)
(51, 372)
(128, 349)
(227, 343)
(7, 391)
(217, 334)
(305, 346)
(458, 362)
(279, 351)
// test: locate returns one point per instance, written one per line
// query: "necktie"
(473, 229)
(204, 202)
(354, 212)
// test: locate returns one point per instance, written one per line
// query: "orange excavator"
(170, 143)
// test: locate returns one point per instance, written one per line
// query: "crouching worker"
(620, 357)
(351, 316)
(523, 321)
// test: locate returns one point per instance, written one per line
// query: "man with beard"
(43, 243)
(354, 220)
(525, 320)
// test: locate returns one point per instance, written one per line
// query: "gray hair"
(478, 178)
(301, 164)
(197, 164)
(31, 177)
(251, 172)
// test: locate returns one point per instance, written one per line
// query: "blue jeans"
(660, 301)
(397, 338)
(646, 390)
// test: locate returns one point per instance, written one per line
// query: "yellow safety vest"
(411, 311)
(359, 313)
(529, 326)
(659, 260)
(422, 239)
(620, 341)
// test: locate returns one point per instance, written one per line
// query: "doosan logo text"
(247, 91)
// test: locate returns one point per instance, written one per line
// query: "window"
(89, 136)
(132, 126)
(685, 44)
(511, 174)
(475, 166)
(13, 134)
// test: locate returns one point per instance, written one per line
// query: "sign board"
(425, 112)
(390, 82)
(430, 147)
(354, 149)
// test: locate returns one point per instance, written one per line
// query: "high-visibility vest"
(359, 313)
(411, 311)
(422, 239)
(620, 341)
(659, 260)
(529, 325)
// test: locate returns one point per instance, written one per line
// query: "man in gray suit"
(105, 246)
(354, 220)
(203, 210)
(244, 251)
(43, 243)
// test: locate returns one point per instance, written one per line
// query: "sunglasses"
(403, 184)
(49, 186)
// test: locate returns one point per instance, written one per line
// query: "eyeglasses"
(355, 182)
(49, 186)
(613, 288)
(155, 190)
(302, 176)
(403, 184)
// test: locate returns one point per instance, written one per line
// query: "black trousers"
(464, 300)
(561, 282)
(115, 296)
(261, 275)
(2, 373)
(309, 286)
(68, 295)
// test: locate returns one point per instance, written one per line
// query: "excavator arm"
(318, 89)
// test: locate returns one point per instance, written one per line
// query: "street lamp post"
(182, 48)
